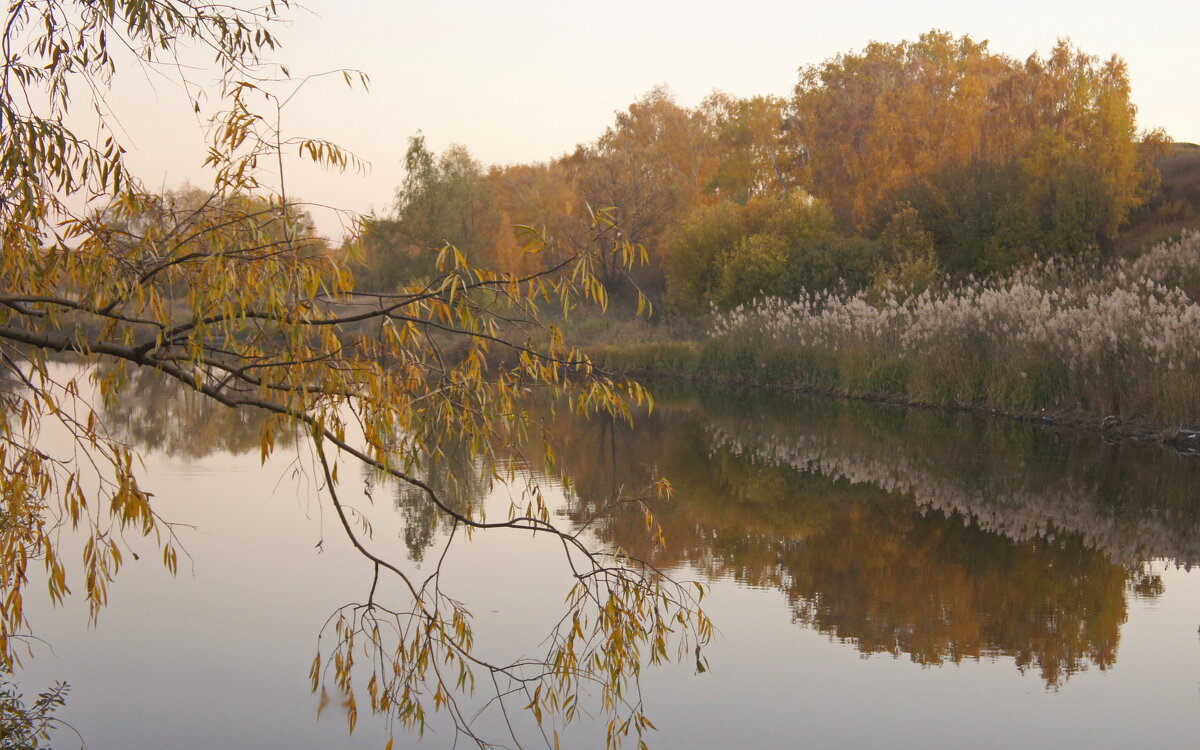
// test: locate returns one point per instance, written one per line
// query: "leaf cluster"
(230, 294)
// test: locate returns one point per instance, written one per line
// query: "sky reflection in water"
(856, 554)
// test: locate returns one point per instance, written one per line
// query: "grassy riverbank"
(1120, 341)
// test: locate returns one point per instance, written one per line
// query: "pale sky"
(527, 80)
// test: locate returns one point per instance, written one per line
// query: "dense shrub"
(726, 254)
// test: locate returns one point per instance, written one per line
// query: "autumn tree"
(1040, 156)
(650, 165)
(725, 254)
(1082, 143)
(756, 156)
(229, 302)
(874, 122)
(543, 197)
(979, 217)
(383, 259)
(443, 200)
(658, 162)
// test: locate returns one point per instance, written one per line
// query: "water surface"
(879, 577)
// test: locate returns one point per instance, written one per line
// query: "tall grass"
(1120, 340)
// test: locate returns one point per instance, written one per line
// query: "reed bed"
(1122, 339)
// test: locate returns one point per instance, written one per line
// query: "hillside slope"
(1174, 208)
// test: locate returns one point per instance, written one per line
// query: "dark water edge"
(1175, 436)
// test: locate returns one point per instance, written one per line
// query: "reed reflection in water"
(939, 537)
(936, 536)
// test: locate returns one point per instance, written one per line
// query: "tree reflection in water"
(158, 413)
(904, 532)
(935, 536)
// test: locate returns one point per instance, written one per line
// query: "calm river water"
(880, 578)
